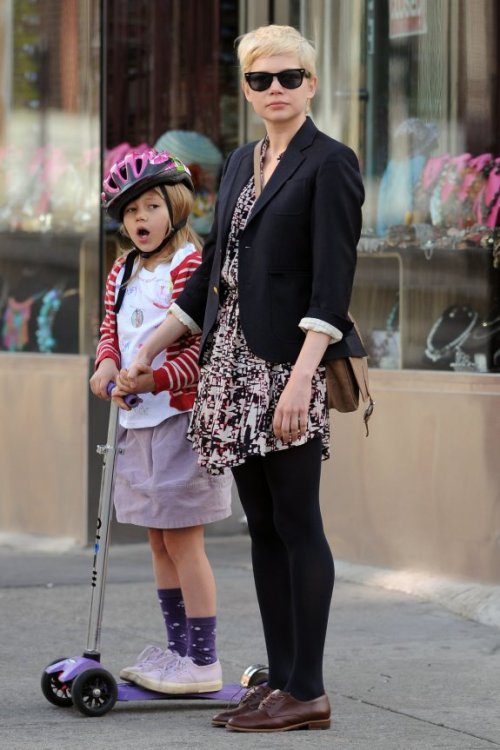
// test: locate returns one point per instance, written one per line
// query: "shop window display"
(438, 206)
(173, 95)
(53, 250)
(416, 94)
(49, 169)
(204, 160)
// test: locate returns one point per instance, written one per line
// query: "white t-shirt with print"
(147, 298)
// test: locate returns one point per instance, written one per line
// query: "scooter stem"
(101, 546)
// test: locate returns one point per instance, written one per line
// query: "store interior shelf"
(403, 293)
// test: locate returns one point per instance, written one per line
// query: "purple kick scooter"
(80, 681)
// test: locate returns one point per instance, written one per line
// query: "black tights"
(292, 563)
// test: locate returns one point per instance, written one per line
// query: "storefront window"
(413, 87)
(172, 84)
(49, 173)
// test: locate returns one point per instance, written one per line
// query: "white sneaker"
(150, 657)
(182, 676)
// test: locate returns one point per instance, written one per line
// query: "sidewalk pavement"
(402, 671)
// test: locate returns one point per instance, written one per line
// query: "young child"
(158, 483)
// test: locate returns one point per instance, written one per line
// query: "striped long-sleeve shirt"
(179, 371)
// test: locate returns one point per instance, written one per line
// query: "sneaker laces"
(168, 657)
(149, 654)
(174, 663)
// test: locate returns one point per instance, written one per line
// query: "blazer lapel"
(241, 173)
(291, 161)
(282, 173)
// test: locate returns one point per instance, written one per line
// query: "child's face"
(146, 220)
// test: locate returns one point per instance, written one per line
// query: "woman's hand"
(292, 411)
(138, 378)
(106, 371)
(291, 415)
(124, 388)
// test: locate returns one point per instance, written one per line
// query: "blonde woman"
(271, 298)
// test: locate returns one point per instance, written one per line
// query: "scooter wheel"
(94, 692)
(58, 693)
(255, 674)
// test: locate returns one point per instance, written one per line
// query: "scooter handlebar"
(131, 399)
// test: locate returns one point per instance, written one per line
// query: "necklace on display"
(486, 329)
(435, 353)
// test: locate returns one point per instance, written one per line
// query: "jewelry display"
(456, 211)
(486, 329)
(460, 320)
(51, 304)
(55, 194)
(16, 318)
(488, 200)
(384, 346)
(463, 362)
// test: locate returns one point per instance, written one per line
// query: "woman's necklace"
(265, 146)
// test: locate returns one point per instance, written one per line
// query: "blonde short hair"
(267, 41)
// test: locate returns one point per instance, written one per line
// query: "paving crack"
(441, 725)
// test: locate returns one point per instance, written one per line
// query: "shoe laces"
(167, 658)
(253, 697)
(149, 654)
(275, 696)
(177, 664)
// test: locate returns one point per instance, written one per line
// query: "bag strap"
(127, 273)
(361, 375)
(256, 168)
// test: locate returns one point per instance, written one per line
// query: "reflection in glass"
(49, 170)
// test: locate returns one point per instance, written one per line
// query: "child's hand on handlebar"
(118, 397)
(107, 371)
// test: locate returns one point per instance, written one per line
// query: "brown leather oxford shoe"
(250, 702)
(280, 712)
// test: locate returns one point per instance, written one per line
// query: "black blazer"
(297, 253)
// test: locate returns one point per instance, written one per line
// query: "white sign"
(407, 18)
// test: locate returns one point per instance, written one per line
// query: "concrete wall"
(423, 490)
(43, 445)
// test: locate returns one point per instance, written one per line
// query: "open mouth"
(142, 233)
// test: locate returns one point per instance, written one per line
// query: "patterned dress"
(238, 392)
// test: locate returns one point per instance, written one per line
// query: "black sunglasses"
(289, 79)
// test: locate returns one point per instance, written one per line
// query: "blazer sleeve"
(193, 299)
(336, 220)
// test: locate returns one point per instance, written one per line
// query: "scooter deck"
(68, 669)
(127, 691)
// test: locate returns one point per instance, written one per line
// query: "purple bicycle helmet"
(137, 172)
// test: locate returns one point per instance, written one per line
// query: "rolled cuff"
(184, 318)
(319, 326)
